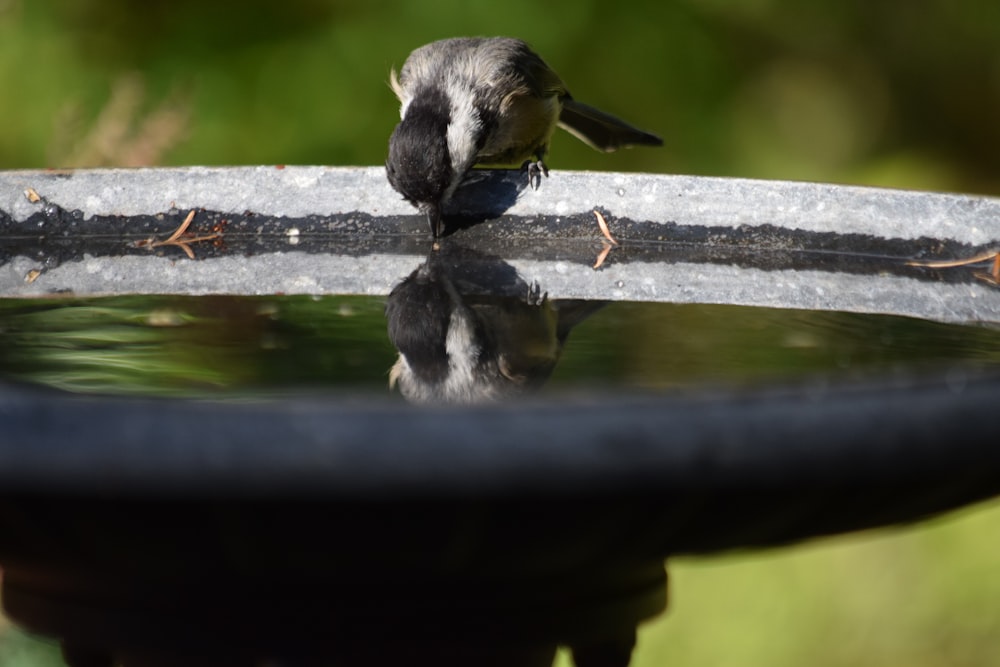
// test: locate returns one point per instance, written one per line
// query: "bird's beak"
(433, 212)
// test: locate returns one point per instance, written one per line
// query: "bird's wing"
(601, 130)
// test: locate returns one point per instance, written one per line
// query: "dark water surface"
(227, 345)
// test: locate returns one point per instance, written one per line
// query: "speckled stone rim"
(323, 230)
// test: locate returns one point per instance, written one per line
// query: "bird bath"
(229, 480)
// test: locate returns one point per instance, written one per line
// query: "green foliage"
(924, 597)
(846, 92)
(18, 649)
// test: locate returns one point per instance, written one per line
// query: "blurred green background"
(889, 93)
(902, 94)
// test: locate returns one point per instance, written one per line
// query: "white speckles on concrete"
(92, 265)
(295, 192)
(300, 191)
(304, 284)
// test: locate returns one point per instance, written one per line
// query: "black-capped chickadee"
(484, 100)
(469, 329)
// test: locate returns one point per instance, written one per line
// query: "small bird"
(484, 100)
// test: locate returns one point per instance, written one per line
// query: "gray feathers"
(484, 100)
(600, 130)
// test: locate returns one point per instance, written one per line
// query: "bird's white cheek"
(462, 348)
(463, 130)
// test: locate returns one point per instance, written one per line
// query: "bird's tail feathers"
(601, 130)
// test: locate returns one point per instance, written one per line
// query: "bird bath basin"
(214, 471)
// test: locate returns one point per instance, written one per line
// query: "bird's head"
(419, 165)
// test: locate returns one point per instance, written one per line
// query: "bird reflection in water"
(469, 329)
